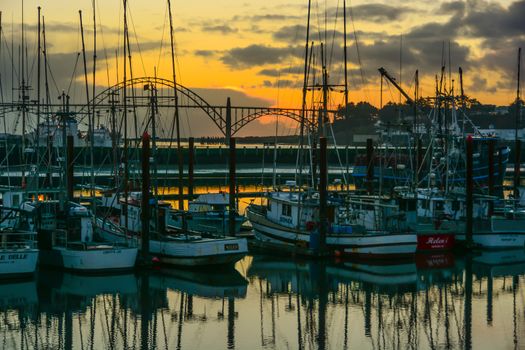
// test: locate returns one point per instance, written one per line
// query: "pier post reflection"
(145, 313)
(231, 323)
(302, 304)
(468, 304)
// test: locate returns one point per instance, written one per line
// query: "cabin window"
(269, 205)
(439, 205)
(286, 210)
(425, 204)
(16, 201)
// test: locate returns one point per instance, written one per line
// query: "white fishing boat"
(285, 221)
(503, 228)
(66, 239)
(208, 213)
(18, 253)
(176, 248)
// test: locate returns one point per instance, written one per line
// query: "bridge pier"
(228, 130)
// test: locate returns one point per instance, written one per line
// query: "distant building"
(504, 134)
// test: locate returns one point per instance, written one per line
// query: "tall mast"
(518, 100)
(125, 116)
(517, 141)
(37, 131)
(92, 136)
(22, 88)
(90, 120)
(305, 89)
(47, 104)
(176, 102)
(346, 59)
(2, 101)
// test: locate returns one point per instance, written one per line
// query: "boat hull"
(435, 241)
(201, 252)
(95, 260)
(207, 223)
(367, 245)
(18, 263)
(499, 240)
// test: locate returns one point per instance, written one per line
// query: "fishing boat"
(180, 248)
(208, 213)
(66, 239)
(18, 253)
(286, 220)
(436, 219)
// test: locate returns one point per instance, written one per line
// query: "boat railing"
(17, 240)
(60, 238)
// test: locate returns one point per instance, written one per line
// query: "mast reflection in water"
(275, 303)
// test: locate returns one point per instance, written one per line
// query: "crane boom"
(392, 80)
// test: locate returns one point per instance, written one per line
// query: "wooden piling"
(70, 161)
(233, 163)
(469, 192)
(191, 161)
(228, 131)
(517, 169)
(323, 195)
(370, 166)
(145, 206)
(491, 144)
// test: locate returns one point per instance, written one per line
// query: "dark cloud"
(273, 72)
(452, 7)
(377, 12)
(283, 83)
(256, 55)
(290, 33)
(493, 21)
(204, 53)
(267, 17)
(478, 84)
(223, 29)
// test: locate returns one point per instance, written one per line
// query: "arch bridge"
(228, 119)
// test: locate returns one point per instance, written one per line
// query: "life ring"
(310, 225)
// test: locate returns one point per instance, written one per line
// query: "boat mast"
(303, 118)
(37, 131)
(125, 116)
(2, 100)
(517, 141)
(90, 125)
(176, 102)
(345, 54)
(92, 116)
(305, 90)
(22, 88)
(47, 104)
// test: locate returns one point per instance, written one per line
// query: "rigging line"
(333, 35)
(163, 31)
(73, 74)
(11, 57)
(137, 41)
(104, 48)
(367, 97)
(52, 76)
(318, 22)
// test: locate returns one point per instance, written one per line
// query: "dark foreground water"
(435, 302)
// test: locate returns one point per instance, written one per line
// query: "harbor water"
(267, 302)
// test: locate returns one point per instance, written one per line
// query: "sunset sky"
(253, 51)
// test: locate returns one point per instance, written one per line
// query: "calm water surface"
(434, 302)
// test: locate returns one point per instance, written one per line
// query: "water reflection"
(435, 302)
